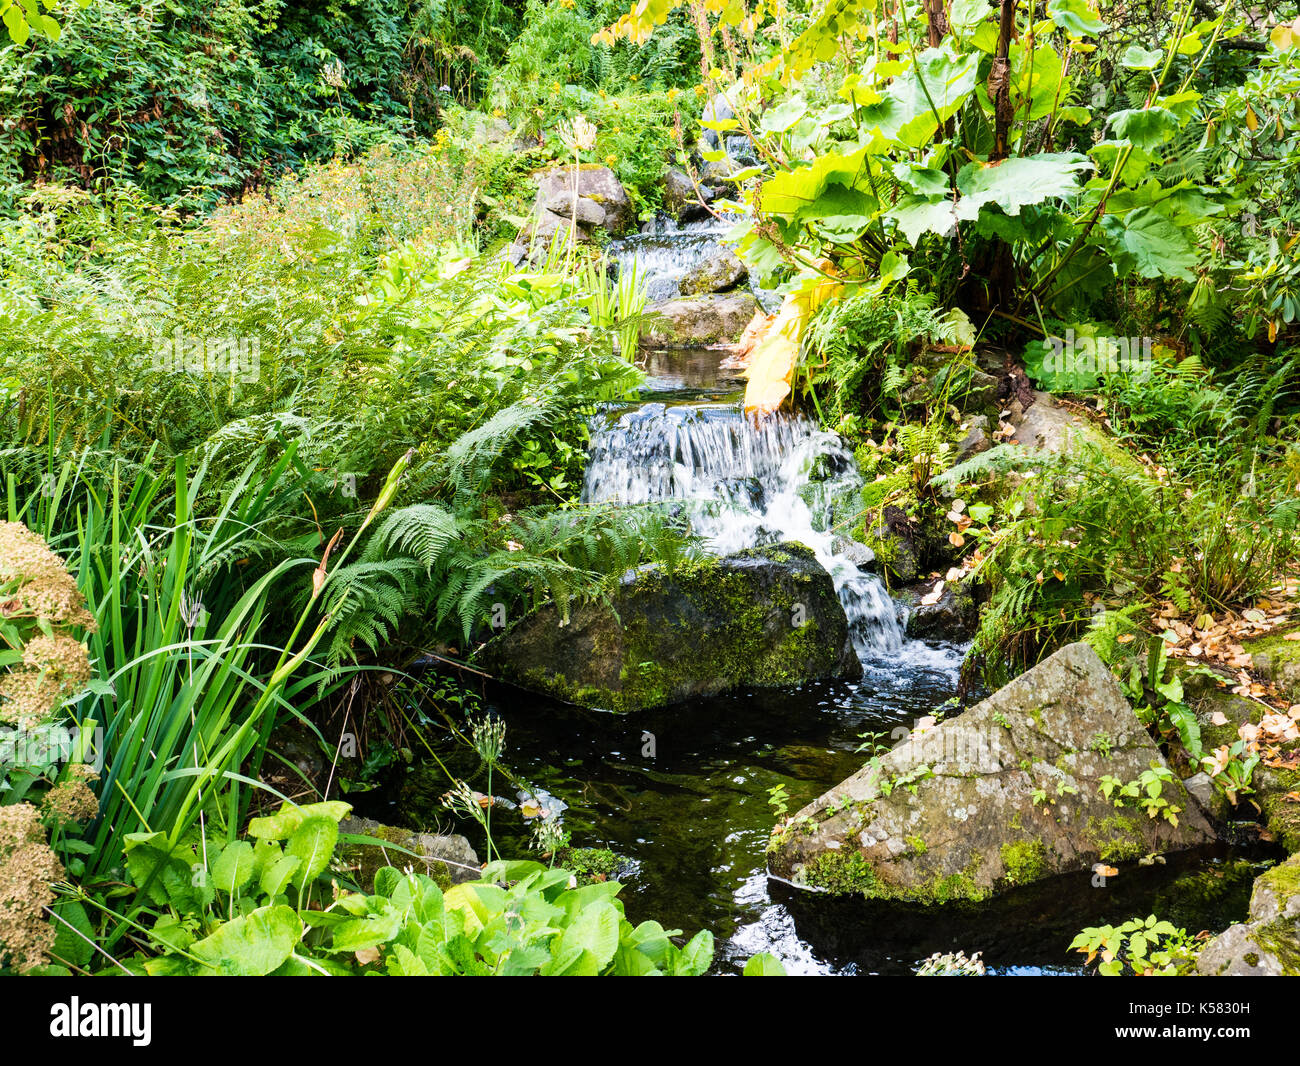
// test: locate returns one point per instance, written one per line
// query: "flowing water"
(681, 793)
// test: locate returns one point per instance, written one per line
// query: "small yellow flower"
(555, 86)
(610, 160)
(700, 90)
(673, 94)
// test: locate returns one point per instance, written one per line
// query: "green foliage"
(192, 101)
(272, 907)
(1144, 947)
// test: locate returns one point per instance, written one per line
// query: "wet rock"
(681, 202)
(953, 618)
(1267, 944)
(721, 271)
(1000, 796)
(697, 321)
(858, 554)
(448, 859)
(717, 108)
(976, 439)
(765, 617)
(894, 543)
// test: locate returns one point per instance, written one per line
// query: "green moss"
(1024, 861)
(849, 873)
(589, 865)
(1117, 838)
(843, 873)
(917, 844)
(1280, 939)
(1284, 880)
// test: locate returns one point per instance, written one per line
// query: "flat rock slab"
(1002, 795)
(762, 618)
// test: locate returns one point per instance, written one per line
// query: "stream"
(681, 793)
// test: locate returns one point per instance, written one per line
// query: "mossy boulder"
(448, 859)
(1277, 657)
(698, 321)
(1005, 794)
(721, 271)
(1272, 784)
(762, 618)
(1267, 944)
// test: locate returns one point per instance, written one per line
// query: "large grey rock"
(766, 617)
(589, 212)
(1002, 795)
(448, 859)
(697, 321)
(954, 617)
(1267, 944)
(599, 186)
(681, 201)
(721, 271)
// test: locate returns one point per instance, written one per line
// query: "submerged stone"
(1005, 794)
(761, 618)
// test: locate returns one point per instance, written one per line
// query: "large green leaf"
(918, 102)
(312, 844)
(1019, 181)
(1075, 17)
(594, 930)
(1148, 128)
(234, 867)
(1151, 244)
(252, 945)
(281, 825)
(916, 215)
(764, 965)
(790, 191)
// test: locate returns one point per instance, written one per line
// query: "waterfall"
(747, 484)
(667, 254)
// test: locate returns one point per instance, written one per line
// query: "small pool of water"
(681, 793)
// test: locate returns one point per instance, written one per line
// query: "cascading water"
(687, 812)
(663, 254)
(748, 483)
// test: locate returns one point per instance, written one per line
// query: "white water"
(665, 256)
(747, 484)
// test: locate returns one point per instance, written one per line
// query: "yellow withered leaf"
(771, 367)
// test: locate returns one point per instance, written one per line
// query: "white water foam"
(747, 484)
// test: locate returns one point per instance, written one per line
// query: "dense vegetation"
(280, 418)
